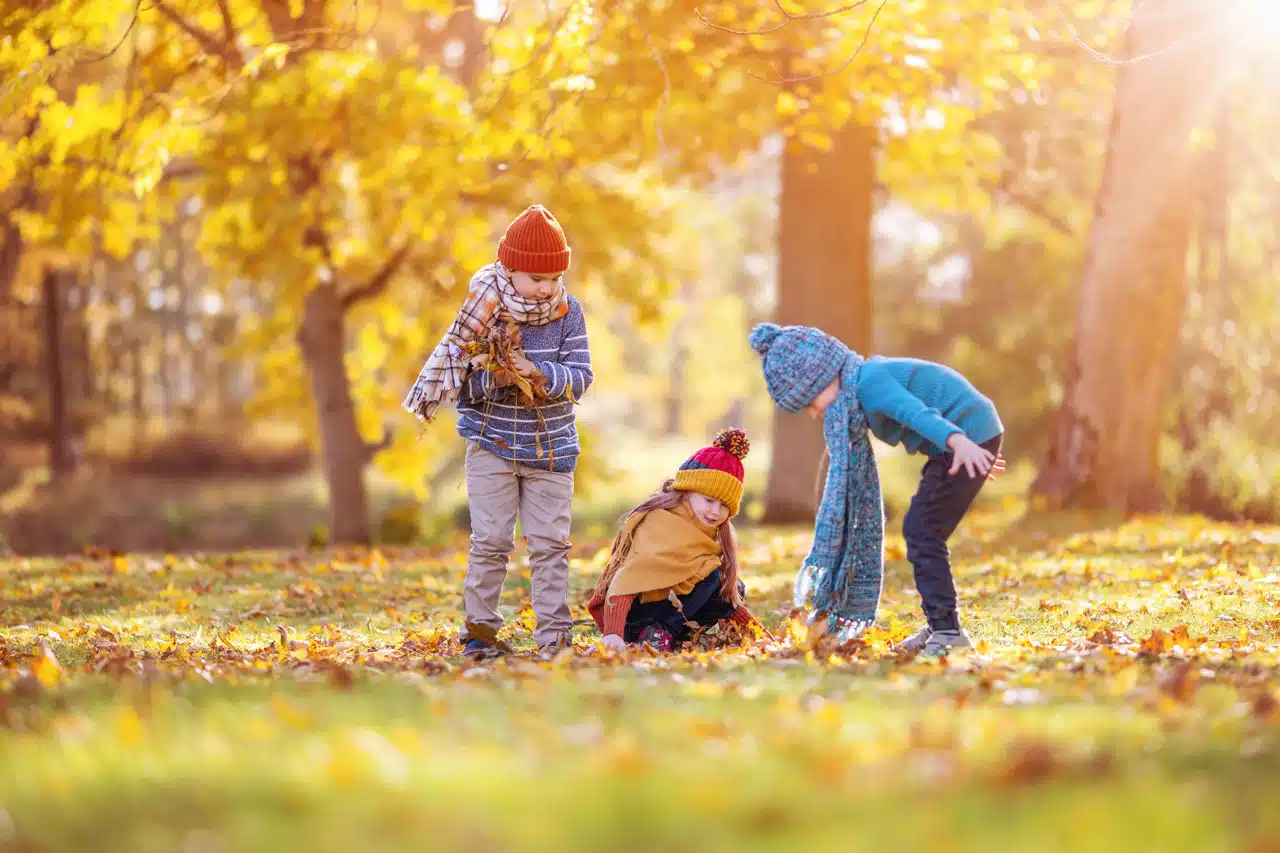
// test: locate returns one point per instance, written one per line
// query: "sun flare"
(1262, 18)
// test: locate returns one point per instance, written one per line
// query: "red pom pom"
(733, 441)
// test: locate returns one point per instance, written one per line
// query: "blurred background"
(232, 230)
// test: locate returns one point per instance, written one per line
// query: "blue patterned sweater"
(490, 416)
(919, 404)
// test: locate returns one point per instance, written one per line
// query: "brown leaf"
(1182, 638)
(1029, 761)
(1267, 706)
(1157, 644)
(340, 677)
(1183, 683)
(1111, 637)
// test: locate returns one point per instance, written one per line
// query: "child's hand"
(974, 458)
(997, 467)
(523, 366)
(614, 643)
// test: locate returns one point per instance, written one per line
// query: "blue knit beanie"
(799, 361)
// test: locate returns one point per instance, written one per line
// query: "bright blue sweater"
(920, 404)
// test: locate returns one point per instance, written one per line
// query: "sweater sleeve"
(479, 384)
(880, 392)
(569, 373)
(615, 614)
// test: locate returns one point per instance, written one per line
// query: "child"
(519, 460)
(678, 553)
(925, 407)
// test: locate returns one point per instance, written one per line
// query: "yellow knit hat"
(716, 471)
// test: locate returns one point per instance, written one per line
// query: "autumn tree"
(1178, 60)
(867, 96)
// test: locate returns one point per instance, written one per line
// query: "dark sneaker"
(945, 642)
(659, 639)
(477, 649)
(916, 642)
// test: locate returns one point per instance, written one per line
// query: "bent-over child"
(927, 408)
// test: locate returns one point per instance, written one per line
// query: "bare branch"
(133, 22)
(373, 448)
(866, 34)
(787, 18)
(1033, 207)
(732, 31)
(205, 39)
(228, 26)
(1103, 59)
(666, 93)
(379, 281)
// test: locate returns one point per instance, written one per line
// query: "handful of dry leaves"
(496, 353)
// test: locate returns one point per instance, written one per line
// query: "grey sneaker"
(945, 642)
(916, 642)
(555, 647)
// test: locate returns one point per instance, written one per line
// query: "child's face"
(536, 287)
(709, 511)
(823, 401)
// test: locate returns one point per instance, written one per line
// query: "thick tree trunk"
(11, 244)
(60, 457)
(824, 280)
(345, 452)
(1133, 291)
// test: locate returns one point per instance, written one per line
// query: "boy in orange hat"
(520, 459)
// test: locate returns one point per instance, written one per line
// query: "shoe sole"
(945, 650)
(910, 646)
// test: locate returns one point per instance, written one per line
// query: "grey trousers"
(497, 490)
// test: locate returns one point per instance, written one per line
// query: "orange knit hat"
(535, 243)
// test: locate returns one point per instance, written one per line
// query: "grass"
(1124, 695)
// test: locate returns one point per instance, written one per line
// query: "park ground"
(1124, 695)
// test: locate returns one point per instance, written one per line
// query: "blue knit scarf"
(841, 578)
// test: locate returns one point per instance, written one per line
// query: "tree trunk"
(345, 452)
(1105, 451)
(673, 405)
(11, 245)
(60, 458)
(824, 280)
(135, 326)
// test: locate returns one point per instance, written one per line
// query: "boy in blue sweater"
(927, 408)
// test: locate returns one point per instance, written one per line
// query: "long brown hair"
(668, 498)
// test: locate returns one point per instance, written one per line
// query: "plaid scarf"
(842, 575)
(491, 298)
